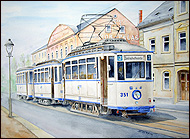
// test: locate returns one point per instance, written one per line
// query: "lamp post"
(9, 48)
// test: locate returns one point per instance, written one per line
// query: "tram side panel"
(81, 84)
(42, 87)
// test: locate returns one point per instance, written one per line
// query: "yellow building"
(166, 32)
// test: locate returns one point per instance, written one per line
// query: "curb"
(34, 129)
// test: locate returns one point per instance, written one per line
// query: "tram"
(24, 83)
(111, 76)
(47, 82)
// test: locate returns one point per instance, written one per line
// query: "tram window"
(46, 76)
(38, 77)
(74, 62)
(82, 61)
(120, 67)
(82, 71)
(31, 77)
(148, 70)
(97, 67)
(67, 63)
(60, 74)
(35, 77)
(135, 70)
(42, 77)
(24, 77)
(55, 74)
(68, 72)
(74, 72)
(91, 59)
(91, 71)
(46, 69)
(111, 63)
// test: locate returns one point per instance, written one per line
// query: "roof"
(95, 17)
(41, 48)
(162, 13)
(25, 68)
(74, 28)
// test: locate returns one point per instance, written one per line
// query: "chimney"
(140, 16)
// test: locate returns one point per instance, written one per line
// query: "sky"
(29, 24)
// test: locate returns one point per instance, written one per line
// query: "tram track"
(172, 128)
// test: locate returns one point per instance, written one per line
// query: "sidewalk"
(11, 128)
(180, 106)
(18, 127)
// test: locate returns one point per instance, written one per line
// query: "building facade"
(166, 32)
(64, 38)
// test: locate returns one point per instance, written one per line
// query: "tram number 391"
(123, 94)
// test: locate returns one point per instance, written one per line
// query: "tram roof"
(25, 68)
(107, 45)
(49, 62)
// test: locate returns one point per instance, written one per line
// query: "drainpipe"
(172, 19)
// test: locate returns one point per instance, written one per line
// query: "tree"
(22, 60)
(28, 61)
(13, 74)
(4, 81)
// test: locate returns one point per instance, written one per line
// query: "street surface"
(62, 123)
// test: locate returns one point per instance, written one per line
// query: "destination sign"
(134, 58)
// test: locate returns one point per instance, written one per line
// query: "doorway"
(103, 80)
(184, 85)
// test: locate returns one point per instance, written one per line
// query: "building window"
(52, 55)
(122, 29)
(56, 54)
(45, 53)
(48, 57)
(152, 44)
(39, 55)
(108, 28)
(61, 53)
(182, 41)
(34, 57)
(166, 80)
(71, 47)
(42, 55)
(165, 40)
(65, 51)
(182, 6)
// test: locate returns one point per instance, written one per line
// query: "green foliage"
(14, 66)
(4, 81)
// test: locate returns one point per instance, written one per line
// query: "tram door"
(184, 82)
(27, 83)
(52, 82)
(103, 80)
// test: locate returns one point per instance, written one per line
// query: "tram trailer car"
(47, 82)
(111, 76)
(24, 83)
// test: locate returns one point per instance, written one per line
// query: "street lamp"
(9, 48)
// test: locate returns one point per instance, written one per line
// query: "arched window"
(166, 80)
(52, 55)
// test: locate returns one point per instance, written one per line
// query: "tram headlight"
(136, 94)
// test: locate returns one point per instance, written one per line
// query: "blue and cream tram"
(109, 76)
(24, 83)
(47, 82)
